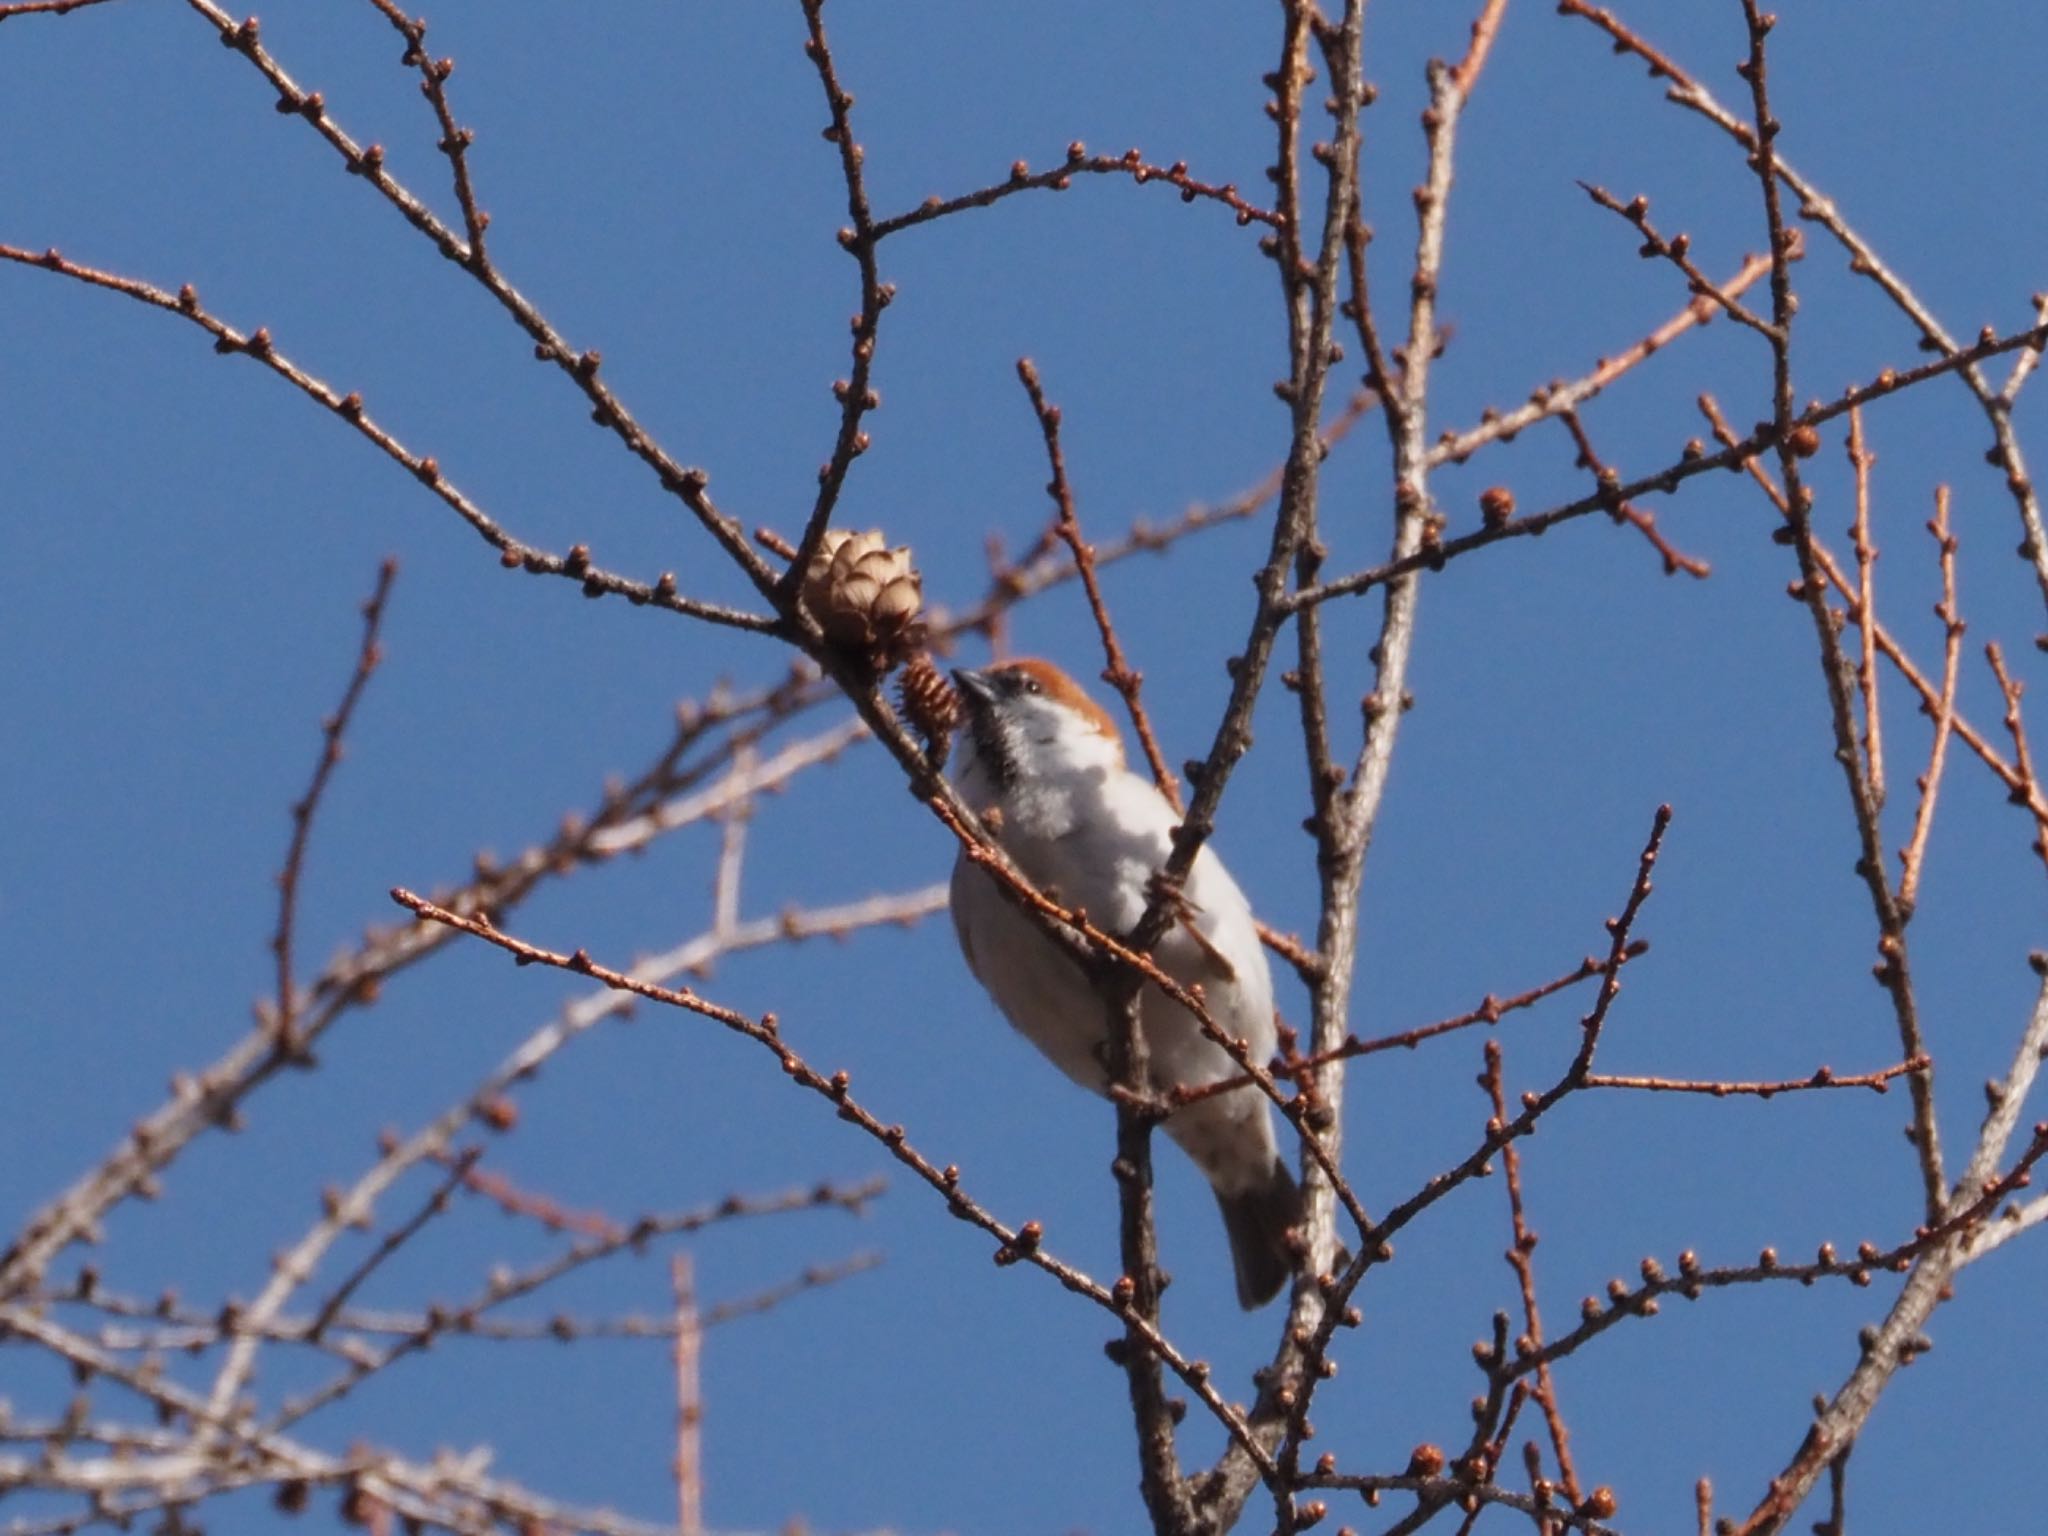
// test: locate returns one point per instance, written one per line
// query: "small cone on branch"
(930, 703)
(864, 595)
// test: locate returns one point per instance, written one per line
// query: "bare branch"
(1079, 162)
(1914, 856)
(513, 554)
(1020, 1244)
(1556, 399)
(1821, 1077)
(332, 730)
(1118, 673)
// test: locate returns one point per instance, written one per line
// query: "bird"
(1043, 765)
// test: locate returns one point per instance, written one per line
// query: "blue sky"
(189, 539)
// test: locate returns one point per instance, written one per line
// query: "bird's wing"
(958, 899)
(1214, 960)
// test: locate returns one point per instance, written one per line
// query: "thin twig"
(1893, 970)
(689, 1467)
(1814, 207)
(1374, 1244)
(582, 367)
(855, 393)
(1555, 399)
(1021, 1244)
(1860, 460)
(307, 806)
(2010, 689)
(1941, 1242)
(1118, 673)
(1520, 1258)
(704, 738)
(2024, 365)
(1821, 1077)
(513, 553)
(1439, 1493)
(1491, 1011)
(1045, 565)
(1691, 463)
(455, 139)
(1637, 212)
(43, 7)
(1627, 511)
(1079, 162)
(1914, 857)
(434, 1205)
(1887, 645)
(1163, 1487)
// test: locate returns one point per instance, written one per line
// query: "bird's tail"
(1258, 1220)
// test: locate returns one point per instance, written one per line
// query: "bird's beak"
(975, 687)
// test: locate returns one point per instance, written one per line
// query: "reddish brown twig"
(307, 806)
(543, 1210)
(455, 139)
(672, 791)
(1491, 1011)
(1860, 460)
(855, 393)
(1022, 1244)
(1887, 645)
(1821, 1077)
(1674, 250)
(1128, 1059)
(1465, 73)
(1374, 1243)
(1520, 1257)
(1792, 445)
(1079, 162)
(582, 367)
(1898, 1341)
(1067, 526)
(1690, 464)
(1308, 965)
(1914, 856)
(1556, 398)
(1435, 1493)
(513, 553)
(1815, 207)
(1627, 511)
(471, 1317)
(1492, 1418)
(1693, 1278)
(1042, 565)
(1495, 1447)
(43, 7)
(2010, 689)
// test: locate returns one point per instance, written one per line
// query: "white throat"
(1041, 768)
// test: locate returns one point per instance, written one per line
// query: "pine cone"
(864, 595)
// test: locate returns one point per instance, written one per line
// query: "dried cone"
(930, 701)
(864, 595)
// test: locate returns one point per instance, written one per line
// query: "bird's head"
(1028, 722)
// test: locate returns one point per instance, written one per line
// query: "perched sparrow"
(1044, 756)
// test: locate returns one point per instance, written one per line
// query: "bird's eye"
(1031, 685)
